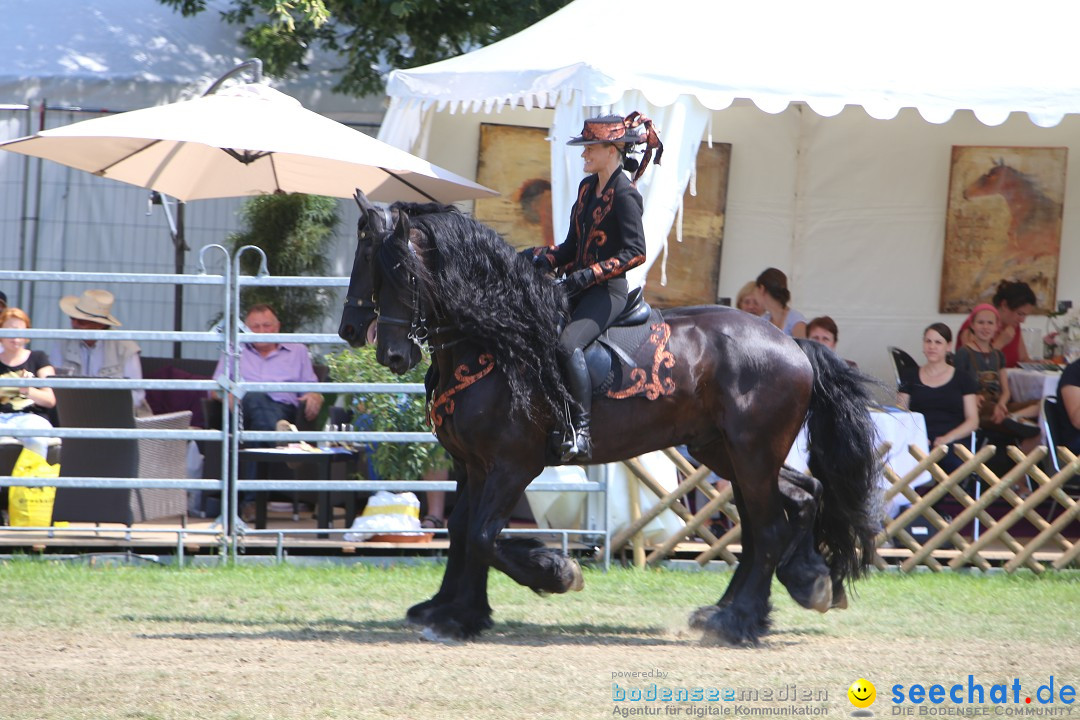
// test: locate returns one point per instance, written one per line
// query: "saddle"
(628, 358)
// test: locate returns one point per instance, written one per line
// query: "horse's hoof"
(839, 596)
(432, 635)
(813, 592)
(452, 623)
(822, 595)
(729, 626)
(420, 613)
(577, 584)
(699, 619)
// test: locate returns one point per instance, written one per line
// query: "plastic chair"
(903, 364)
(1050, 419)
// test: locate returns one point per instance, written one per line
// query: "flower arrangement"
(1063, 334)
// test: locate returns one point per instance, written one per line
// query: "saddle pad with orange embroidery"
(641, 364)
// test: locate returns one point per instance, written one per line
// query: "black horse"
(737, 392)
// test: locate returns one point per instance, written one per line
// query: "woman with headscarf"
(1007, 422)
(606, 238)
(1014, 301)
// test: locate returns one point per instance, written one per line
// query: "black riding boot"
(579, 445)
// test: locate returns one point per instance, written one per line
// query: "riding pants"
(596, 309)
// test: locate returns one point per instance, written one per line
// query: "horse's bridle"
(351, 301)
(417, 323)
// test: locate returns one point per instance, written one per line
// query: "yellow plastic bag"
(32, 506)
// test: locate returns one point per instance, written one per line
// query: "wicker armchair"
(128, 458)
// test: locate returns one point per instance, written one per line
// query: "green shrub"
(389, 412)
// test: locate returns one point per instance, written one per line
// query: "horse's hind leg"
(802, 570)
(742, 570)
(742, 615)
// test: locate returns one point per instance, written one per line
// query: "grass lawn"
(329, 642)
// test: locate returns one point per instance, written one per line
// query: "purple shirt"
(290, 362)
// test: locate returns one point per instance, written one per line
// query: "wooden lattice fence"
(978, 534)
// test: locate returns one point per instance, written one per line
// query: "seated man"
(98, 358)
(273, 362)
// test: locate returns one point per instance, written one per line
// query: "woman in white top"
(773, 295)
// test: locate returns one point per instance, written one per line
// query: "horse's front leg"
(529, 563)
(457, 525)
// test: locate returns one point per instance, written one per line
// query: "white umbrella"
(244, 140)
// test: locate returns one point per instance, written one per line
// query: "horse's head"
(398, 279)
(998, 180)
(358, 317)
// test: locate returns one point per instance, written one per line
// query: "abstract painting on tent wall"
(1003, 222)
(516, 161)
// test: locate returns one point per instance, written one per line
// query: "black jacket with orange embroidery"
(606, 234)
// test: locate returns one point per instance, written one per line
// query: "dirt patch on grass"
(164, 668)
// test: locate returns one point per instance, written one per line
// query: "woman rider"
(606, 239)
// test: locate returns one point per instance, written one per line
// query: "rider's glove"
(538, 257)
(577, 282)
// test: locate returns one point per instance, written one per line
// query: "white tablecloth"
(1027, 385)
(900, 429)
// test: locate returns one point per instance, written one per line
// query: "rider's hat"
(628, 131)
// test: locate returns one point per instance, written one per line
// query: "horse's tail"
(843, 456)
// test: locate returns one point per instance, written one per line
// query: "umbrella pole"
(180, 247)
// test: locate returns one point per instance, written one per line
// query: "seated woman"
(747, 300)
(986, 364)
(1068, 397)
(773, 295)
(24, 407)
(944, 396)
(1014, 301)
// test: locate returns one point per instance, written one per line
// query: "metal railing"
(229, 530)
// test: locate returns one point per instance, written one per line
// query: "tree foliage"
(371, 36)
(295, 232)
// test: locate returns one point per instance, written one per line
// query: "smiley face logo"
(862, 693)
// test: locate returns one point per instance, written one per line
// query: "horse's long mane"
(496, 298)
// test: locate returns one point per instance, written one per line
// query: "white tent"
(131, 54)
(841, 114)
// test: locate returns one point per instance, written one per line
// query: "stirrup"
(577, 447)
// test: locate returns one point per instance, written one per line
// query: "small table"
(323, 459)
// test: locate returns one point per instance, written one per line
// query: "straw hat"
(92, 305)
